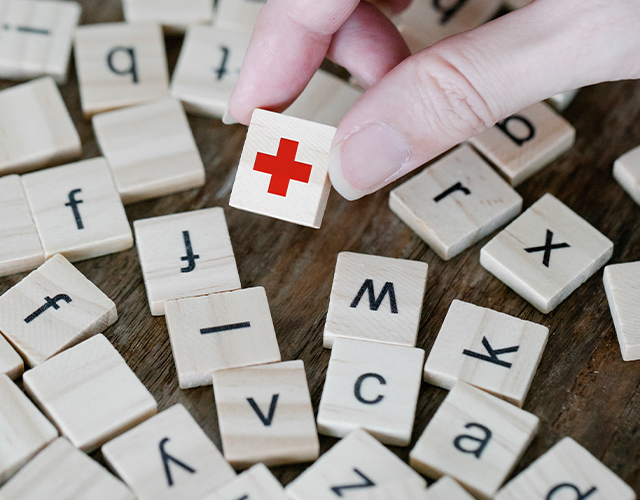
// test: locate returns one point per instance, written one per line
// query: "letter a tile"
(283, 171)
(626, 171)
(546, 253)
(257, 483)
(375, 298)
(622, 285)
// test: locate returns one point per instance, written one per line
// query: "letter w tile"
(374, 303)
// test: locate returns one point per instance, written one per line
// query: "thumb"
(465, 84)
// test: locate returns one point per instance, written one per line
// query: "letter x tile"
(283, 171)
(257, 483)
(626, 171)
(622, 285)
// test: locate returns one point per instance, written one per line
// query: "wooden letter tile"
(173, 16)
(284, 169)
(11, 363)
(475, 438)
(371, 386)
(546, 253)
(622, 285)
(626, 171)
(168, 457)
(358, 463)
(77, 210)
(52, 309)
(150, 149)
(119, 65)
(238, 15)
(35, 128)
(490, 350)
(257, 483)
(566, 471)
(375, 298)
(447, 489)
(24, 431)
(265, 414)
(90, 393)
(185, 255)
(408, 488)
(524, 143)
(455, 203)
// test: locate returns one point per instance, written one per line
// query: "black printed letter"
(358, 387)
(222, 70)
(368, 483)
(166, 458)
(482, 442)
(504, 126)
(448, 12)
(131, 70)
(73, 204)
(374, 304)
(272, 409)
(494, 354)
(579, 495)
(190, 258)
(456, 187)
(547, 247)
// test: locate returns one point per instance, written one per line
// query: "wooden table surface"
(582, 388)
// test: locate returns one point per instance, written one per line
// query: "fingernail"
(367, 160)
(227, 119)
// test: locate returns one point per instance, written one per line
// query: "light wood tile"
(90, 393)
(24, 431)
(546, 253)
(404, 489)
(53, 308)
(375, 298)
(120, 65)
(283, 171)
(265, 414)
(526, 142)
(371, 386)
(447, 489)
(475, 438)
(168, 457)
(150, 149)
(35, 128)
(20, 247)
(77, 210)
(562, 101)
(622, 286)
(566, 471)
(62, 472)
(208, 68)
(238, 15)
(257, 483)
(11, 363)
(455, 202)
(357, 463)
(626, 170)
(173, 16)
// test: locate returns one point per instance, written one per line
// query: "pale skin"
(416, 107)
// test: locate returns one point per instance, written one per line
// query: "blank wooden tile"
(24, 431)
(120, 65)
(11, 363)
(524, 143)
(62, 472)
(168, 457)
(77, 210)
(257, 483)
(371, 386)
(238, 15)
(20, 247)
(546, 253)
(566, 471)
(35, 128)
(357, 463)
(375, 298)
(447, 489)
(455, 202)
(52, 309)
(90, 393)
(265, 414)
(150, 149)
(475, 438)
(208, 68)
(185, 255)
(173, 16)
(283, 171)
(622, 285)
(626, 170)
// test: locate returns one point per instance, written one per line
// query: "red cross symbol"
(283, 167)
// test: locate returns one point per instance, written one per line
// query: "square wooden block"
(120, 65)
(257, 483)
(475, 438)
(36, 130)
(238, 15)
(265, 415)
(566, 471)
(371, 386)
(626, 170)
(173, 16)
(488, 349)
(524, 143)
(208, 68)
(357, 463)
(622, 286)
(375, 298)
(150, 149)
(62, 472)
(53, 308)
(413, 488)
(20, 247)
(24, 431)
(447, 489)
(77, 210)
(546, 253)
(90, 393)
(11, 363)
(284, 169)
(185, 255)
(36, 38)
(168, 457)
(455, 202)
